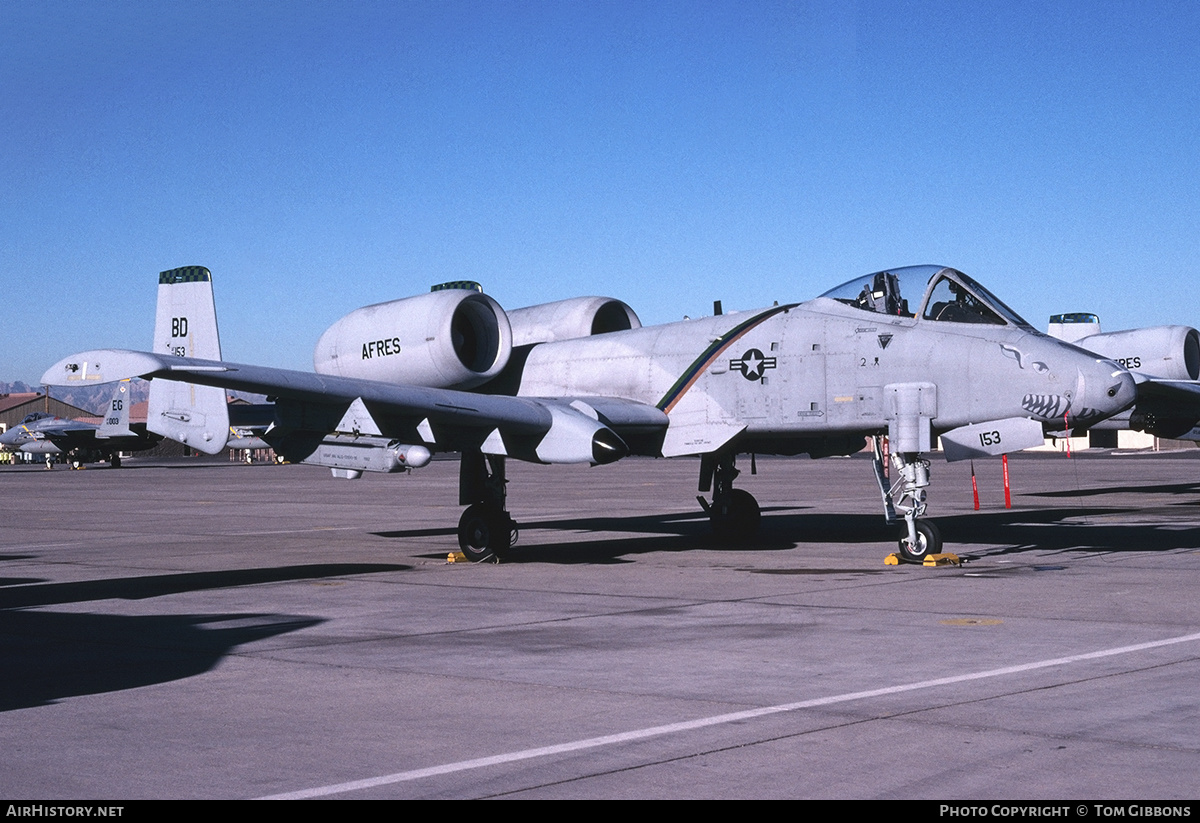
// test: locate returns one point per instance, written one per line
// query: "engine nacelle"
(445, 339)
(570, 319)
(1171, 352)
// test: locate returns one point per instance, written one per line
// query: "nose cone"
(1104, 389)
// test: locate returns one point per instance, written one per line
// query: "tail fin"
(1073, 327)
(116, 416)
(185, 324)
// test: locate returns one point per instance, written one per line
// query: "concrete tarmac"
(196, 629)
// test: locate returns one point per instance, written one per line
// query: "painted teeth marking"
(1044, 405)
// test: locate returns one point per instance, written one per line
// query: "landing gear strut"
(734, 513)
(918, 538)
(485, 530)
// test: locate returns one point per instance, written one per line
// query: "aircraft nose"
(1104, 390)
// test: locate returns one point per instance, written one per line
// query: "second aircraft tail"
(116, 416)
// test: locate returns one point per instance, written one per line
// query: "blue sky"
(322, 156)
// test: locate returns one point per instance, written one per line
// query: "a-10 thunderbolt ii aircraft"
(909, 353)
(41, 433)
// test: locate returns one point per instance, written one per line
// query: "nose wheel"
(928, 541)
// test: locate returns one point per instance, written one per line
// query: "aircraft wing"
(559, 429)
(1183, 395)
(1167, 407)
(65, 434)
(67, 430)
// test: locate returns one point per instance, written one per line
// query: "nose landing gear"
(918, 538)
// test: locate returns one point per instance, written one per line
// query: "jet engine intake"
(450, 339)
(570, 319)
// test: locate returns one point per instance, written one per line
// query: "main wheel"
(737, 517)
(115, 461)
(929, 541)
(484, 532)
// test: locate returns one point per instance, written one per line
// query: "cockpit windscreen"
(929, 292)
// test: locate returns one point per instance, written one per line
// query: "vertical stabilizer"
(116, 416)
(185, 325)
(1073, 327)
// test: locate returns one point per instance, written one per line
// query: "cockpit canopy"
(33, 418)
(938, 293)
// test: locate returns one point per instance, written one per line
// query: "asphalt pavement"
(196, 629)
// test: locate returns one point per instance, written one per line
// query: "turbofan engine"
(1171, 352)
(1167, 352)
(454, 338)
(570, 319)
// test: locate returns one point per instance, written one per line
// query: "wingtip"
(100, 366)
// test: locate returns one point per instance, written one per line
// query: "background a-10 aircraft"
(909, 353)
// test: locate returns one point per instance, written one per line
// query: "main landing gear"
(918, 538)
(734, 513)
(485, 530)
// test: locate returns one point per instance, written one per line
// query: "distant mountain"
(17, 387)
(95, 398)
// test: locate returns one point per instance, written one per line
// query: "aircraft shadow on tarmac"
(140, 588)
(46, 656)
(974, 534)
(128, 465)
(677, 531)
(1191, 489)
(1008, 532)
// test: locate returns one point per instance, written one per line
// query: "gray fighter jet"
(41, 433)
(908, 353)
